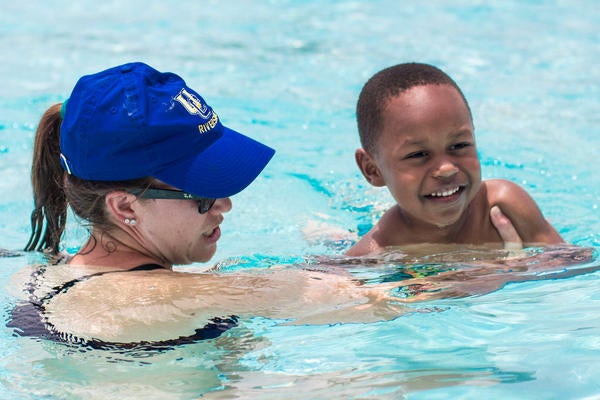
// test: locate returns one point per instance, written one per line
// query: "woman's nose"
(222, 205)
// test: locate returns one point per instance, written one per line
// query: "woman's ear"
(368, 167)
(118, 204)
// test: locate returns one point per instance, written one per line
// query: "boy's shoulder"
(503, 192)
(522, 210)
(388, 231)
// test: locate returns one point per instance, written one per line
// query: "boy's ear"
(368, 167)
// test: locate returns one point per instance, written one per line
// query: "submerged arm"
(553, 262)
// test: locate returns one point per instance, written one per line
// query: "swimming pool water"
(288, 73)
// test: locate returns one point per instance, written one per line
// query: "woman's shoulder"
(145, 304)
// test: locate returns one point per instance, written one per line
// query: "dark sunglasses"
(204, 203)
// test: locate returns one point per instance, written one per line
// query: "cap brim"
(224, 168)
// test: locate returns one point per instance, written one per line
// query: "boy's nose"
(446, 169)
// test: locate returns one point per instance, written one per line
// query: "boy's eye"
(459, 146)
(416, 154)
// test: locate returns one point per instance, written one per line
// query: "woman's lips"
(213, 235)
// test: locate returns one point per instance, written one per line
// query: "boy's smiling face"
(426, 155)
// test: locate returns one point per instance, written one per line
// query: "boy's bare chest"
(475, 228)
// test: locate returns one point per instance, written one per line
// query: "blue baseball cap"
(132, 121)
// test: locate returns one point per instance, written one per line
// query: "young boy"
(416, 132)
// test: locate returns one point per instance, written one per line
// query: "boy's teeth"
(446, 193)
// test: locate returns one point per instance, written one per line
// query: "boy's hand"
(506, 229)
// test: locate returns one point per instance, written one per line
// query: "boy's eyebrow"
(414, 142)
(462, 132)
(453, 136)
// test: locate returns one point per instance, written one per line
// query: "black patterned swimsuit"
(28, 319)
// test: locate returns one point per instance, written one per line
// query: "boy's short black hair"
(387, 83)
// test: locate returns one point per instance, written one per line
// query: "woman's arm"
(507, 231)
(161, 305)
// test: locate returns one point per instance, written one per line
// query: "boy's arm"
(518, 206)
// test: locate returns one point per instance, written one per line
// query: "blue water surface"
(288, 73)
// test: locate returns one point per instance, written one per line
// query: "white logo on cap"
(193, 104)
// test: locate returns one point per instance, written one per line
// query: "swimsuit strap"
(145, 267)
(211, 330)
(67, 285)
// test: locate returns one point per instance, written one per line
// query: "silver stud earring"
(131, 221)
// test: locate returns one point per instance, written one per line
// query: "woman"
(149, 165)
